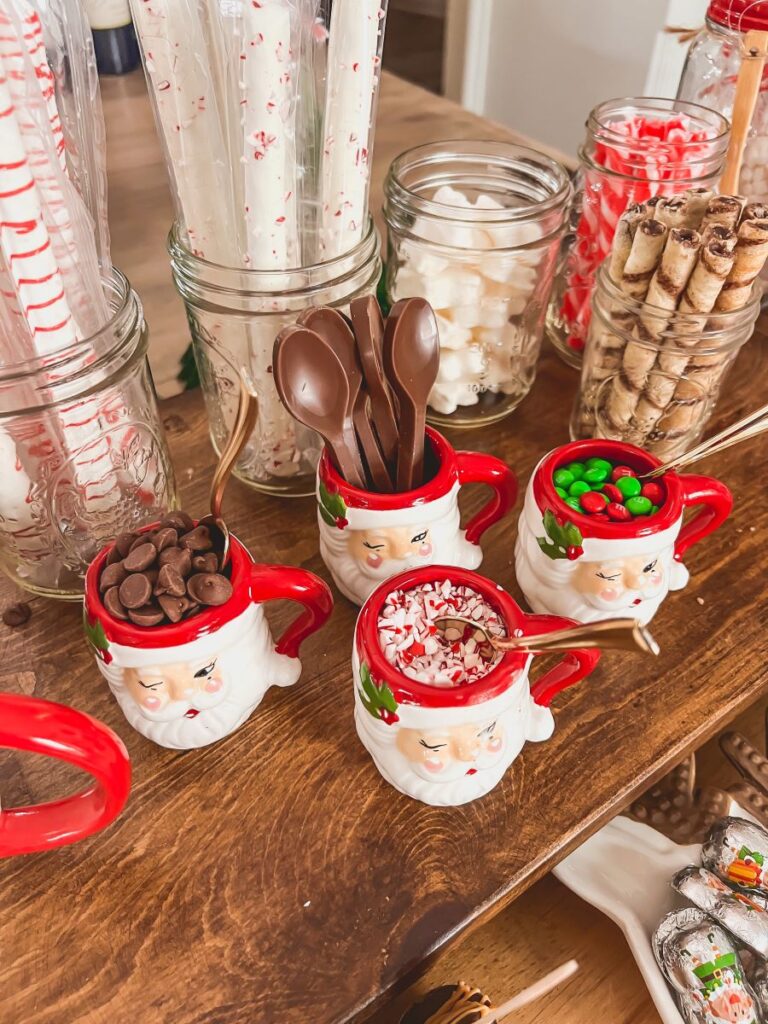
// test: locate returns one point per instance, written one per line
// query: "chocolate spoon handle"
(377, 467)
(618, 634)
(369, 332)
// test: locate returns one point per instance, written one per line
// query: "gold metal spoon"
(245, 421)
(618, 634)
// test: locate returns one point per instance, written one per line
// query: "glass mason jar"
(475, 228)
(234, 316)
(656, 391)
(709, 77)
(82, 451)
(617, 168)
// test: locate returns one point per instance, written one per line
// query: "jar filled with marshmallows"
(475, 227)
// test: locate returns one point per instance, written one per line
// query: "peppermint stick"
(350, 101)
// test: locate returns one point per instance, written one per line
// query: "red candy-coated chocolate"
(654, 492)
(620, 471)
(618, 512)
(593, 501)
(612, 493)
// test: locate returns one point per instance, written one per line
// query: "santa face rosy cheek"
(213, 684)
(373, 559)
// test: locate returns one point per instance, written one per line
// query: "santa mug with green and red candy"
(188, 683)
(366, 537)
(597, 540)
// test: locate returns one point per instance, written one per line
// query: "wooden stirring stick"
(532, 992)
(747, 90)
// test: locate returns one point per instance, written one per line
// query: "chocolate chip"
(174, 607)
(192, 609)
(143, 538)
(209, 588)
(149, 616)
(179, 520)
(112, 576)
(16, 615)
(140, 557)
(170, 581)
(179, 558)
(113, 555)
(198, 539)
(208, 562)
(113, 604)
(151, 575)
(124, 542)
(135, 590)
(165, 537)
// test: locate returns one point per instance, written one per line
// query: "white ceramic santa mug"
(366, 537)
(445, 745)
(189, 684)
(571, 564)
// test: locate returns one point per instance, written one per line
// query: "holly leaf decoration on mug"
(378, 701)
(332, 507)
(97, 638)
(563, 540)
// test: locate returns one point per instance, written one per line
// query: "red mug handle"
(716, 503)
(43, 727)
(479, 468)
(572, 667)
(287, 583)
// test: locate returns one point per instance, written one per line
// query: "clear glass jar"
(234, 316)
(82, 451)
(475, 228)
(657, 393)
(616, 169)
(709, 77)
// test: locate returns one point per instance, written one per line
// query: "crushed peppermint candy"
(412, 642)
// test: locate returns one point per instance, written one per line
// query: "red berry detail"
(654, 492)
(574, 551)
(601, 515)
(619, 471)
(620, 513)
(612, 493)
(593, 501)
(341, 522)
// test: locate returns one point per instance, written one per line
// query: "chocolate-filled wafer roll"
(671, 210)
(622, 240)
(647, 246)
(744, 917)
(712, 268)
(750, 255)
(449, 1004)
(737, 851)
(719, 233)
(696, 202)
(671, 277)
(755, 211)
(725, 210)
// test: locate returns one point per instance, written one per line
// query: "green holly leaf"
(573, 535)
(559, 538)
(387, 698)
(95, 635)
(326, 516)
(373, 696)
(333, 504)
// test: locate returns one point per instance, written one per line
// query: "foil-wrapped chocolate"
(703, 967)
(737, 851)
(449, 1004)
(744, 917)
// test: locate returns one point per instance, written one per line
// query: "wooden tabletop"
(275, 877)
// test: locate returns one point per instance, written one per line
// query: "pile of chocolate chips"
(165, 575)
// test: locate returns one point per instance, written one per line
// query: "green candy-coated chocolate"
(563, 478)
(596, 474)
(574, 503)
(561, 492)
(576, 469)
(638, 505)
(629, 486)
(578, 487)
(654, 510)
(599, 464)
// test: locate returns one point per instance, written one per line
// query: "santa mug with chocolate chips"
(186, 649)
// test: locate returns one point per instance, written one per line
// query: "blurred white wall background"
(541, 65)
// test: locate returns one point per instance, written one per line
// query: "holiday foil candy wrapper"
(737, 851)
(745, 917)
(702, 965)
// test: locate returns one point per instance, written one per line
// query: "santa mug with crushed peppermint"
(366, 537)
(443, 715)
(597, 540)
(190, 681)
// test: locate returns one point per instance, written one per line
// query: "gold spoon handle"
(621, 634)
(245, 421)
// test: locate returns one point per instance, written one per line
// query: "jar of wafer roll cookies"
(674, 302)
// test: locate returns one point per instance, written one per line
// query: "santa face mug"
(568, 563)
(367, 537)
(192, 683)
(447, 745)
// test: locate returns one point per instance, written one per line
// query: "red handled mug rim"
(355, 497)
(172, 635)
(410, 691)
(624, 454)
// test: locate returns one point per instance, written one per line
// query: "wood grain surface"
(275, 877)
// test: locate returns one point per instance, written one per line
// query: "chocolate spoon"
(245, 421)
(619, 634)
(313, 386)
(411, 362)
(369, 331)
(331, 325)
